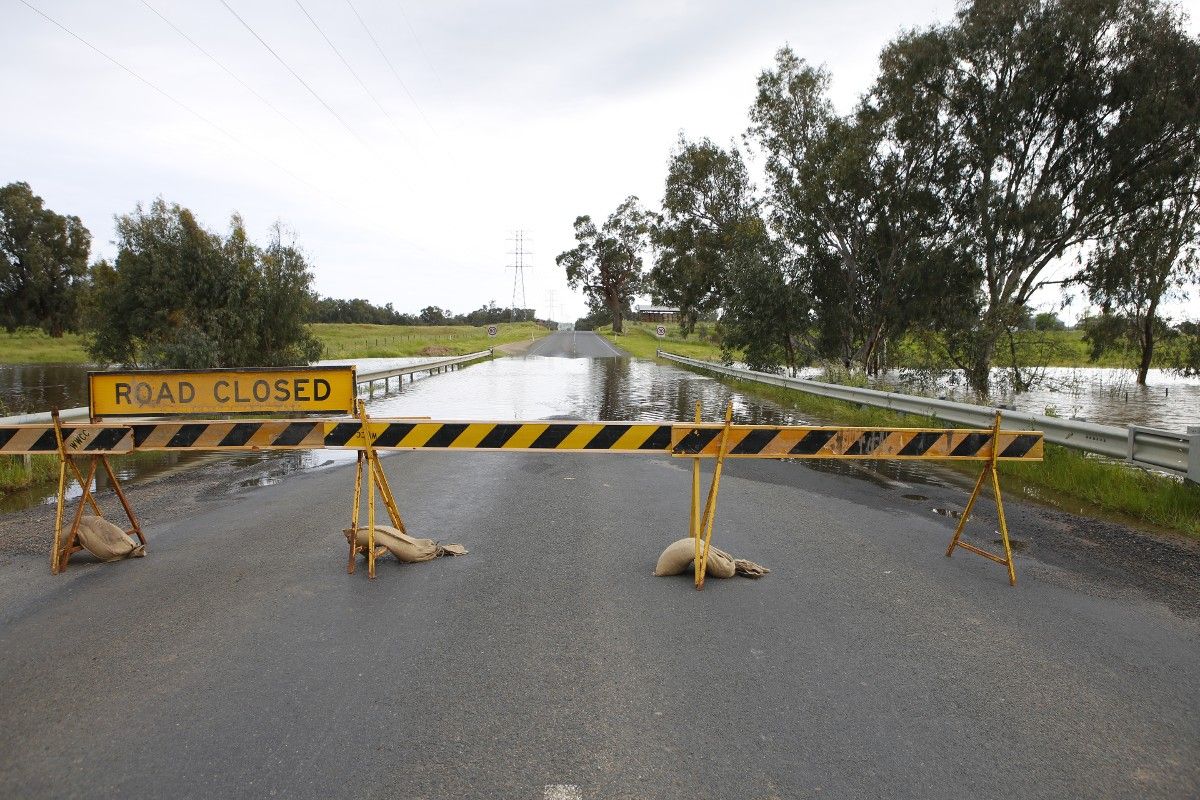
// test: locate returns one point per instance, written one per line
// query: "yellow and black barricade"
(695, 440)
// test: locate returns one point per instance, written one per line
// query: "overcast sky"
(472, 119)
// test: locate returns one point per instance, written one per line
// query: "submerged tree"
(607, 261)
(43, 262)
(1058, 111)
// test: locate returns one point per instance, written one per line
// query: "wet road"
(575, 344)
(239, 660)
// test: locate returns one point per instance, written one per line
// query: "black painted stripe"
(812, 443)
(552, 437)
(446, 434)
(6, 434)
(107, 439)
(971, 444)
(498, 436)
(294, 434)
(920, 444)
(696, 440)
(47, 441)
(1021, 445)
(606, 437)
(659, 440)
(187, 435)
(754, 442)
(342, 433)
(239, 434)
(393, 433)
(141, 433)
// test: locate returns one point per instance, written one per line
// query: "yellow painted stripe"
(472, 436)
(420, 434)
(525, 436)
(579, 437)
(634, 437)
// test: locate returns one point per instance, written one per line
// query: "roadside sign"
(299, 390)
(660, 331)
(491, 330)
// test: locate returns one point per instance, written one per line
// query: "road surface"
(240, 660)
(575, 344)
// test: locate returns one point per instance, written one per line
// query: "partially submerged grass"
(1064, 478)
(15, 475)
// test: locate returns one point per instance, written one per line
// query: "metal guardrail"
(429, 366)
(362, 378)
(1178, 453)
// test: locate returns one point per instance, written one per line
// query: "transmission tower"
(518, 266)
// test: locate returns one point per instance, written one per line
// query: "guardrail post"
(1193, 464)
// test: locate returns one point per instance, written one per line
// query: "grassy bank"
(340, 340)
(1068, 479)
(383, 341)
(1034, 348)
(31, 346)
(639, 340)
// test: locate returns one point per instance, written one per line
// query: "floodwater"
(532, 387)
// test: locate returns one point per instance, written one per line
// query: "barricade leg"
(700, 564)
(368, 463)
(66, 546)
(989, 469)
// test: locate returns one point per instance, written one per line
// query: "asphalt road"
(240, 660)
(574, 344)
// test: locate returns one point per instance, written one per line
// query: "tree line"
(1021, 137)
(178, 295)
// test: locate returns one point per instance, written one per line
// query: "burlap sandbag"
(679, 555)
(106, 541)
(408, 548)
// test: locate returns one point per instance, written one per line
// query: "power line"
(226, 69)
(179, 102)
(421, 47)
(333, 47)
(295, 74)
(388, 61)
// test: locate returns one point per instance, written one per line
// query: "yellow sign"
(304, 390)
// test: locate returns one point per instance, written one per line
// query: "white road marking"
(562, 791)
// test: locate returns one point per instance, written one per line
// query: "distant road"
(575, 344)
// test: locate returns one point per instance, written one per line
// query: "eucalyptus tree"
(180, 296)
(607, 263)
(1052, 138)
(710, 220)
(43, 262)
(862, 210)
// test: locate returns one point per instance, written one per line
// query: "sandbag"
(106, 541)
(679, 555)
(407, 548)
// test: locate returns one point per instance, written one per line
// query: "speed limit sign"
(491, 330)
(660, 331)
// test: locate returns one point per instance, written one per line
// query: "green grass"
(1067, 479)
(639, 340)
(32, 346)
(341, 341)
(383, 341)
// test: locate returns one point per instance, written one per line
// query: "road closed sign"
(492, 330)
(293, 390)
(660, 331)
